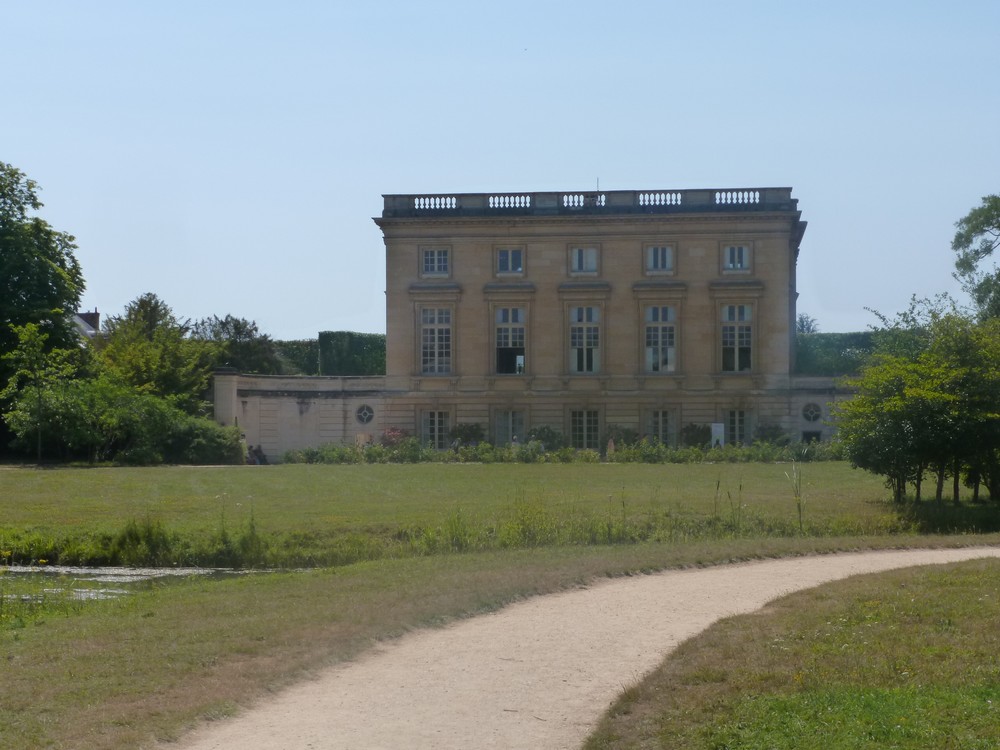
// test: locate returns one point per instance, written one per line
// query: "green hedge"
(349, 353)
(410, 450)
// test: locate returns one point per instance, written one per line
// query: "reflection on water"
(88, 594)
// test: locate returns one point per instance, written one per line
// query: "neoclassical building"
(646, 310)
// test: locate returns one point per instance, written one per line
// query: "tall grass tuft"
(142, 544)
(795, 479)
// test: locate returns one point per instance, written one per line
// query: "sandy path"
(537, 674)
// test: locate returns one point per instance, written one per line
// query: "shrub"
(550, 438)
(647, 450)
(468, 433)
(410, 451)
(196, 440)
(696, 435)
(768, 432)
(532, 452)
(393, 436)
(623, 436)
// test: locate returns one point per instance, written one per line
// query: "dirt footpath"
(535, 675)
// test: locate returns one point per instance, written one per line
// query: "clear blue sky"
(229, 156)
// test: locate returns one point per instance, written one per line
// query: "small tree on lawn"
(35, 371)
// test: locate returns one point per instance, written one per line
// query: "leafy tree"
(806, 324)
(241, 345)
(98, 419)
(35, 370)
(40, 279)
(832, 354)
(929, 401)
(909, 333)
(970, 352)
(148, 347)
(976, 238)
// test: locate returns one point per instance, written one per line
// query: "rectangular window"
(583, 260)
(584, 339)
(434, 429)
(737, 336)
(510, 260)
(510, 340)
(659, 259)
(659, 426)
(736, 427)
(737, 258)
(435, 341)
(583, 429)
(661, 353)
(508, 427)
(434, 261)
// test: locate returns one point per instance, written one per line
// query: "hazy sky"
(229, 156)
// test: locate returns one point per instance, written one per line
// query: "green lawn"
(159, 659)
(326, 515)
(905, 660)
(286, 497)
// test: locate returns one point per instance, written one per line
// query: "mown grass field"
(303, 516)
(126, 672)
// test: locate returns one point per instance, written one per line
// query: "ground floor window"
(508, 427)
(434, 428)
(583, 429)
(658, 426)
(736, 427)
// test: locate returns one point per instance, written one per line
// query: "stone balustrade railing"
(598, 202)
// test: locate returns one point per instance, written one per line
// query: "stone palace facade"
(645, 310)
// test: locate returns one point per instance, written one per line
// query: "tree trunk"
(956, 475)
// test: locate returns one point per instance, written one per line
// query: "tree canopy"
(41, 281)
(976, 239)
(241, 345)
(805, 323)
(148, 348)
(929, 401)
(62, 410)
(36, 369)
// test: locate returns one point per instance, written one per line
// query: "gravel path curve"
(535, 675)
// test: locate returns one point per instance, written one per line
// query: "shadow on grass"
(934, 517)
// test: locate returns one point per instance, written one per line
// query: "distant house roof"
(89, 323)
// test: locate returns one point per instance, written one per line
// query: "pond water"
(34, 582)
(109, 574)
